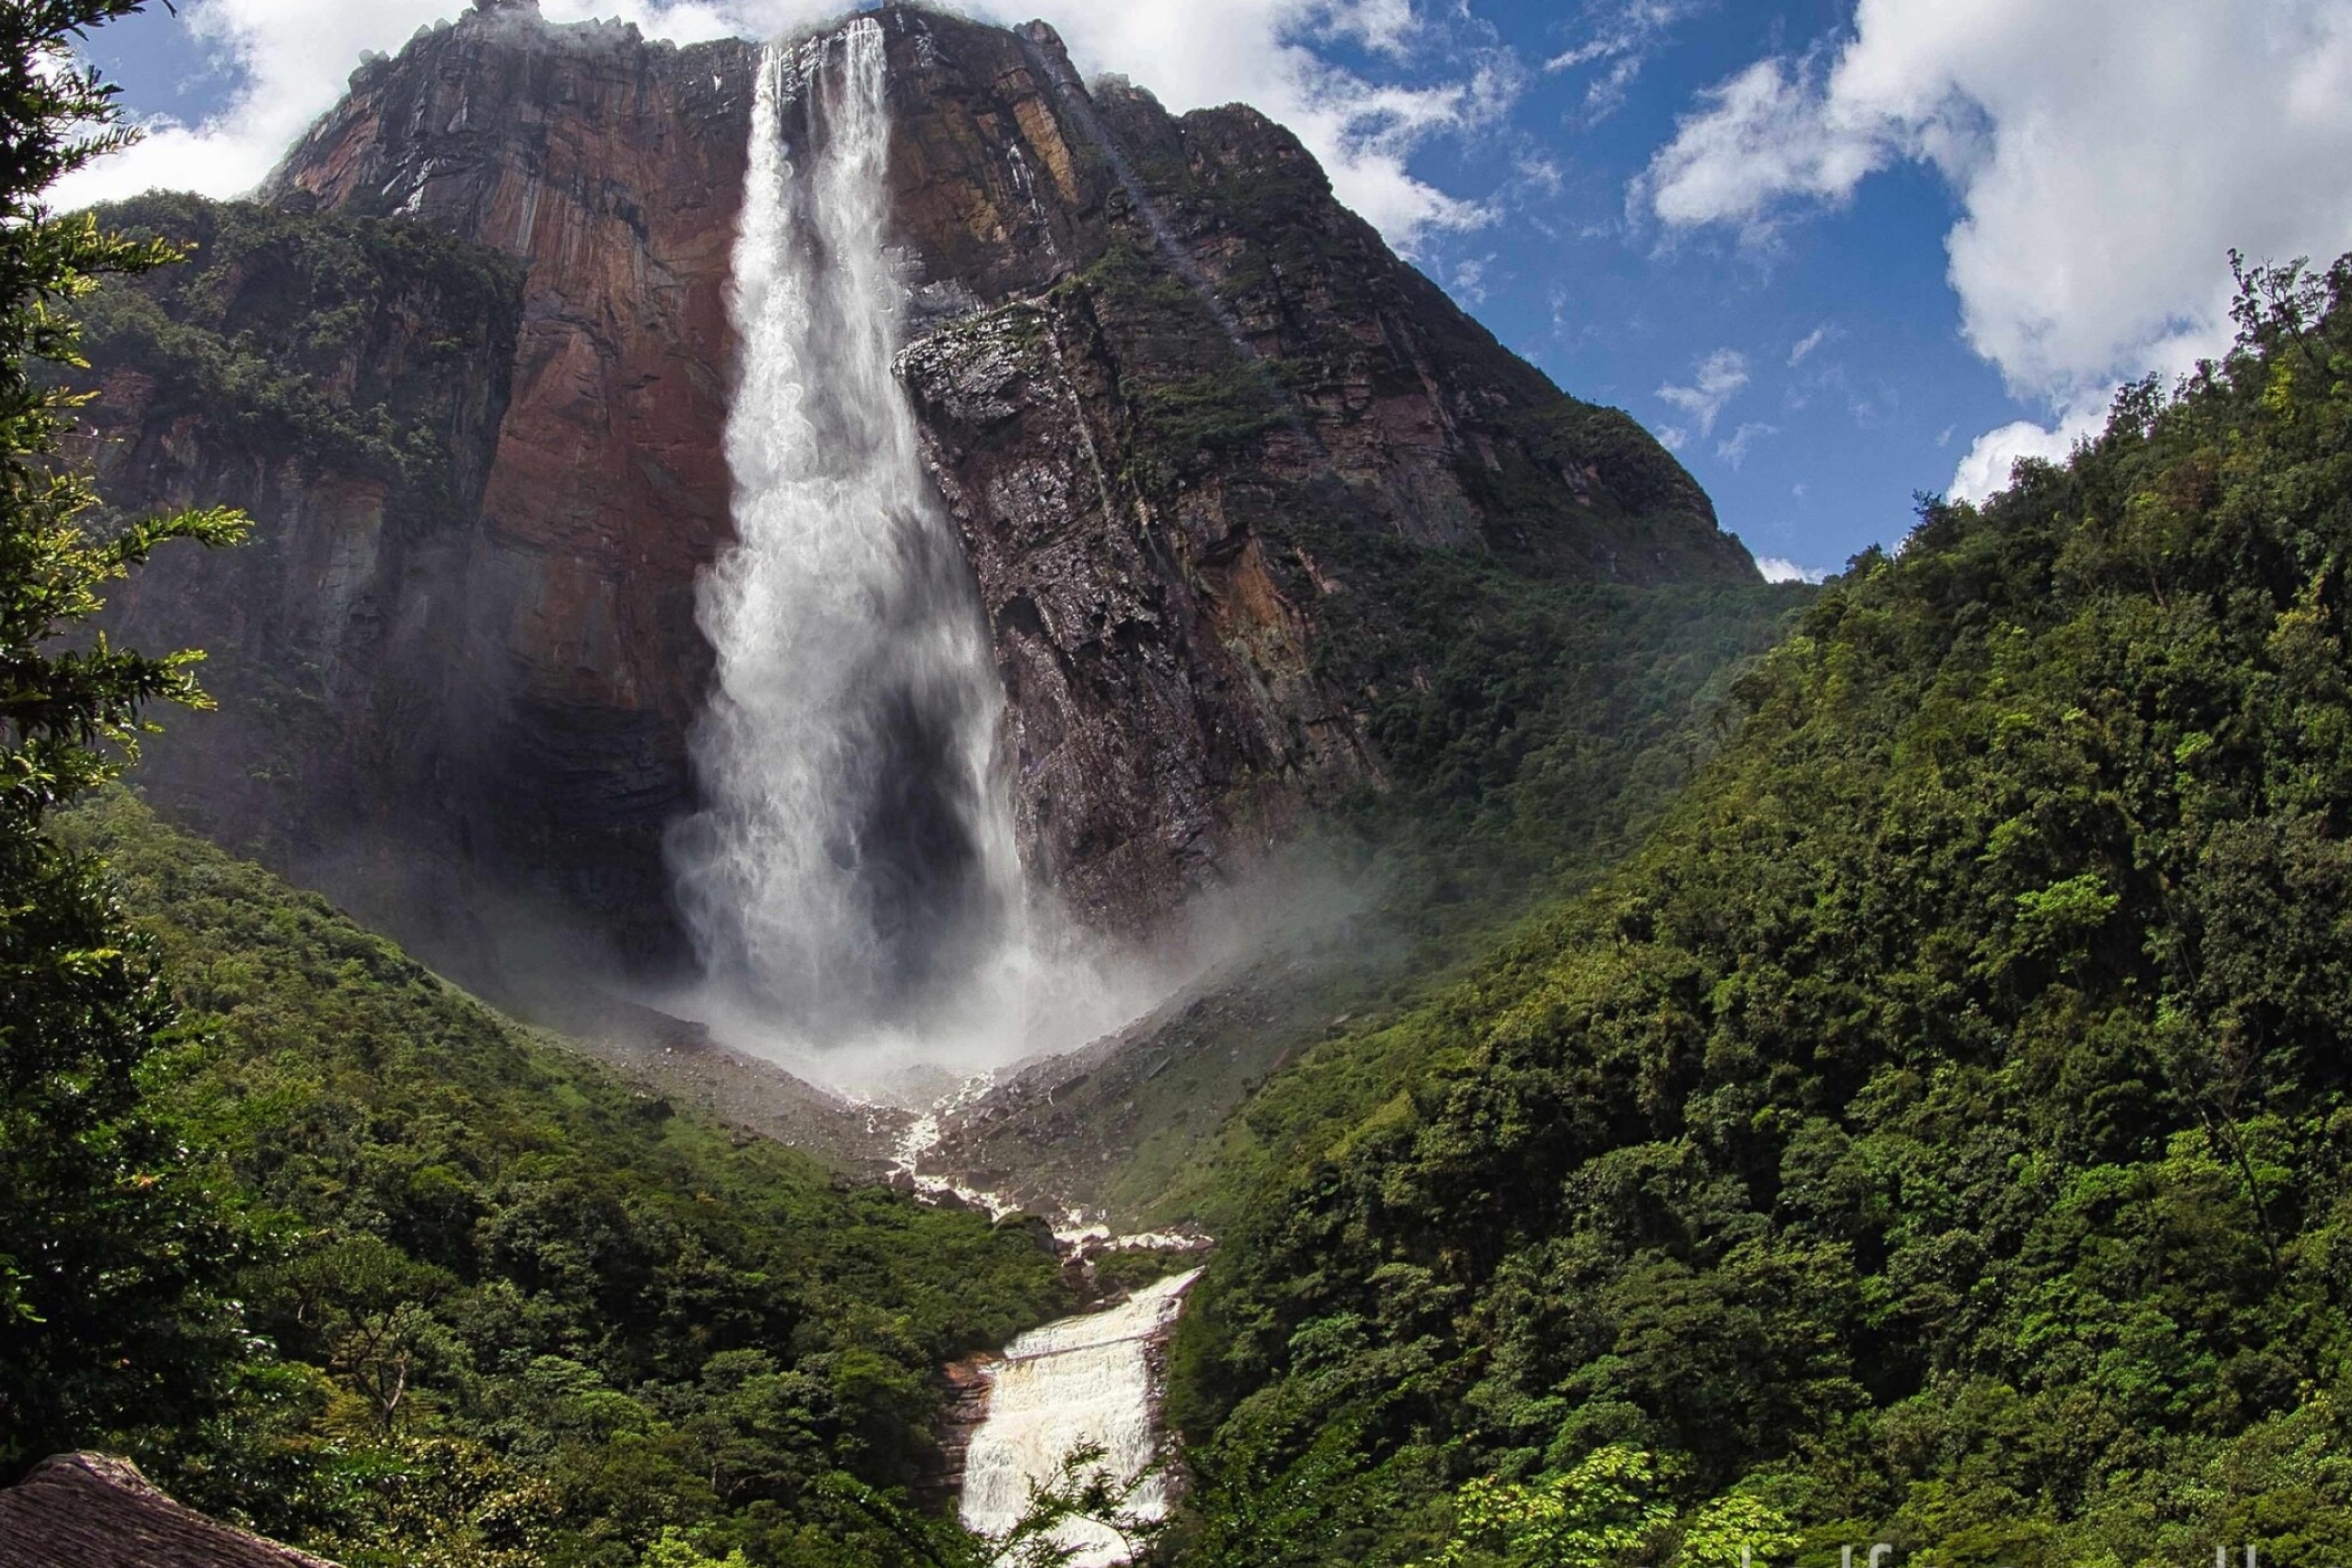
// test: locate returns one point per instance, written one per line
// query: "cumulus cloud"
(1779, 569)
(2106, 154)
(290, 59)
(1720, 377)
(1767, 136)
(1986, 468)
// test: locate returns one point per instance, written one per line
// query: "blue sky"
(1836, 251)
(1838, 438)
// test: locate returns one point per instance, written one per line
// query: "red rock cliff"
(1199, 426)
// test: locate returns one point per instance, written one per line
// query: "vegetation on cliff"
(1935, 1134)
(320, 337)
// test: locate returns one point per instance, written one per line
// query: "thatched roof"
(88, 1510)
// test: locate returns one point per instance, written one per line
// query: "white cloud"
(1620, 36)
(1811, 340)
(2106, 153)
(1763, 136)
(1385, 26)
(1734, 451)
(291, 59)
(1986, 468)
(1720, 377)
(1779, 569)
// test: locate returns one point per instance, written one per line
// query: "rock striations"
(88, 1511)
(1196, 422)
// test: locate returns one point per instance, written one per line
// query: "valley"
(929, 826)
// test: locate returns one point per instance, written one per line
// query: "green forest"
(1935, 1134)
(515, 1312)
(1934, 1129)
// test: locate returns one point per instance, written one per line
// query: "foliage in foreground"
(1938, 1134)
(112, 1250)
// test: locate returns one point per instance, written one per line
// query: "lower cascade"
(1084, 1382)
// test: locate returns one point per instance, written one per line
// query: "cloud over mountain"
(2106, 154)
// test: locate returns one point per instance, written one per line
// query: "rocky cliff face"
(611, 170)
(1196, 470)
(1209, 443)
(344, 383)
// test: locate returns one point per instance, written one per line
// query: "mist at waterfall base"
(853, 886)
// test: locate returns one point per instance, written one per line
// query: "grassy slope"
(619, 1316)
(1938, 1129)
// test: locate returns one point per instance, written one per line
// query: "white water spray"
(853, 886)
(1080, 1382)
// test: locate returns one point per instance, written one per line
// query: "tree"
(1735, 1530)
(112, 1245)
(1082, 1490)
(1602, 1513)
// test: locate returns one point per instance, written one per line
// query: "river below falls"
(1083, 1380)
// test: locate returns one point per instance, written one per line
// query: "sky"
(1836, 253)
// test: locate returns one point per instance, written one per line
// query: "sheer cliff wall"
(1204, 435)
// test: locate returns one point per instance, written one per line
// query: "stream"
(1088, 1380)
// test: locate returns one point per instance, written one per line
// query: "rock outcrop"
(612, 168)
(90, 1511)
(1203, 433)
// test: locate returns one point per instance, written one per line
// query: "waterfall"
(854, 870)
(1081, 1381)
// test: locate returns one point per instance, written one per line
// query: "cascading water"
(853, 886)
(1077, 1383)
(853, 878)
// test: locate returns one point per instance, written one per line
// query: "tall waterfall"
(1081, 1381)
(854, 871)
